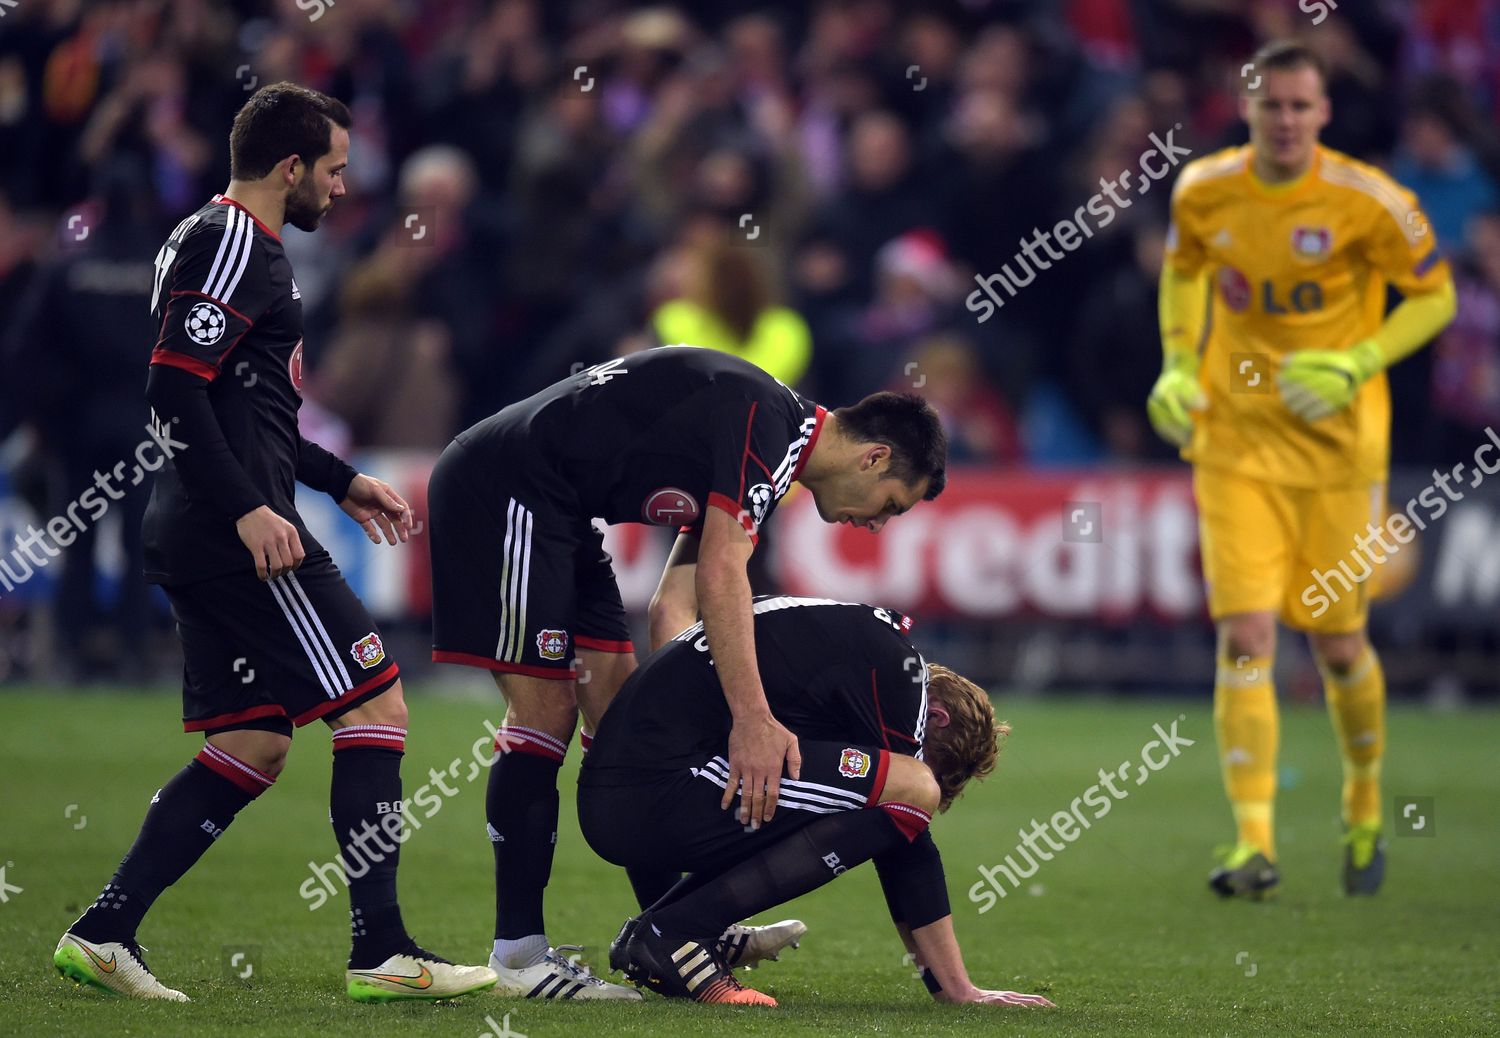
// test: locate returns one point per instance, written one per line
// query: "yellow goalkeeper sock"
(1356, 704)
(1248, 730)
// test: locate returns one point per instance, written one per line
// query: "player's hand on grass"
(977, 996)
(379, 509)
(1317, 383)
(757, 749)
(272, 541)
(1173, 398)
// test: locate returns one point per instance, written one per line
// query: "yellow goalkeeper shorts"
(1290, 550)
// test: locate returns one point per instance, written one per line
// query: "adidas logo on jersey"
(296, 292)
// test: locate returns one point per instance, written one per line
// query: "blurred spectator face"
(931, 44)
(1150, 242)
(1428, 139)
(725, 181)
(997, 62)
(1484, 244)
(442, 177)
(879, 152)
(312, 196)
(756, 50)
(1285, 118)
(988, 127)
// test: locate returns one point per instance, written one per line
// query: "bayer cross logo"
(205, 324)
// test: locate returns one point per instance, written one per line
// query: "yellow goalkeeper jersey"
(1291, 267)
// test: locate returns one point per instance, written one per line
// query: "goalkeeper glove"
(1175, 394)
(1317, 383)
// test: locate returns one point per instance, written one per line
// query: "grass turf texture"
(1118, 929)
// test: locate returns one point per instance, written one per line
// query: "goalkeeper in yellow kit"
(1283, 249)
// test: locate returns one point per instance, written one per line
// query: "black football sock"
(797, 865)
(651, 884)
(366, 791)
(521, 806)
(186, 816)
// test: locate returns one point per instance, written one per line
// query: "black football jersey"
(230, 313)
(660, 436)
(832, 671)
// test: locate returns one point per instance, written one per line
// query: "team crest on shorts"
(368, 651)
(552, 645)
(854, 764)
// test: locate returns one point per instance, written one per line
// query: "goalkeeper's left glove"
(1317, 383)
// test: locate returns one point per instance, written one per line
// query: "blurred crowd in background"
(535, 186)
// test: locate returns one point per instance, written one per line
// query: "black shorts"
(273, 654)
(519, 582)
(672, 819)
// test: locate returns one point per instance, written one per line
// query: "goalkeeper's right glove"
(1175, 394)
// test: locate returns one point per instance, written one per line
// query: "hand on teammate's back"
(273, 542)
(379, 509)
(757, 750)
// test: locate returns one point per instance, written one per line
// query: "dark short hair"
(280, 120)
(1284, 55)
(910, 427)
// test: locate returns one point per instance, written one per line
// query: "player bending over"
(272, 637)
(521, 585)
(886, 741)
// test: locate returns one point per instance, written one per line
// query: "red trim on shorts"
(222, 199)
(468, 659)
(223, 720)
(379, 683)
(583, 641)
(881, 769)
(229, 767)
(820, 413)
(910, 820)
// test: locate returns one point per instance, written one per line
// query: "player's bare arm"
(758, 743)
(934, 947)
(674, 605)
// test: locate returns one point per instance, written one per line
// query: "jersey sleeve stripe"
(1367, 185)
(249, 245)
(181, 360)
(239, 251)
(231, 225)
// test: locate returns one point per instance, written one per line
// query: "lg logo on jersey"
(1234, 288)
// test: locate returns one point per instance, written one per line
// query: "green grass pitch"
(1118, 929)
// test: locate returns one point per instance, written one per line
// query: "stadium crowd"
(537, 186)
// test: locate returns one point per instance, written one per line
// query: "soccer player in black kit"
(886, 741)
(676, 436)
(272, 636)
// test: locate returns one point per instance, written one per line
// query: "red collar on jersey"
(820, 414)
(226, 200)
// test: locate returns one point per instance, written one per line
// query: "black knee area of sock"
(364, 794)
(521, 808)
(185, 818)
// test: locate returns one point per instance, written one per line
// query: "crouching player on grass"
(886, 741)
